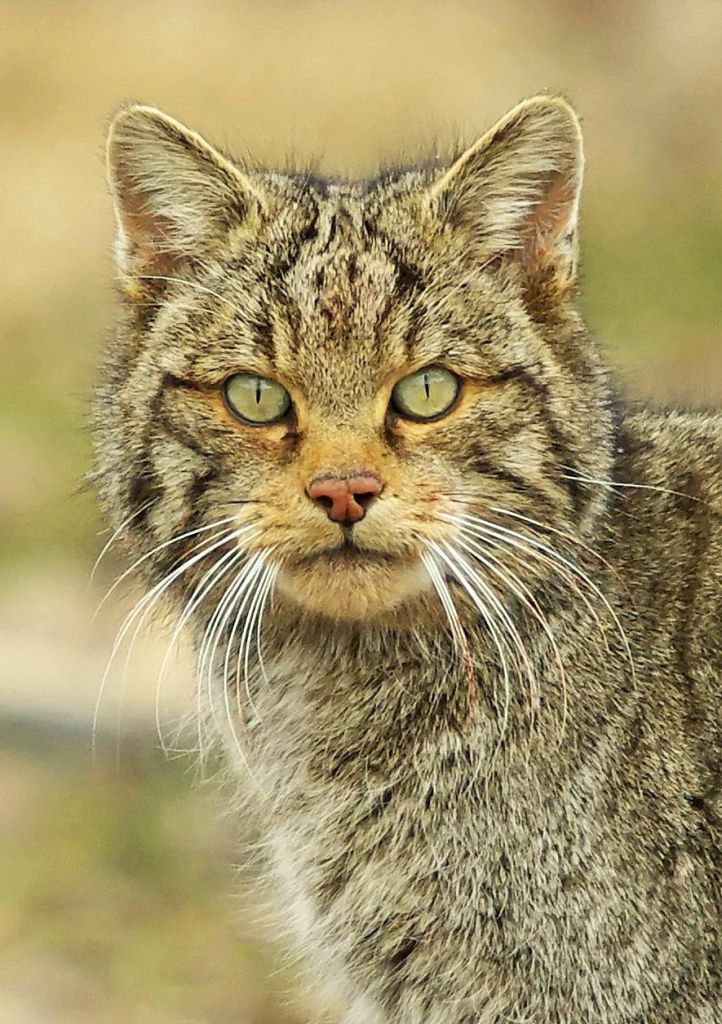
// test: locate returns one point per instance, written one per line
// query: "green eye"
(426, 394)
(256, 399)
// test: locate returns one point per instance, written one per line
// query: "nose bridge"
(346, 406)
(342, 451)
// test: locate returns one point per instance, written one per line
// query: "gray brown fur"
(563, 868)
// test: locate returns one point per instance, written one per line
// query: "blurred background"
(118, 897)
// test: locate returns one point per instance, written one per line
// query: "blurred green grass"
(117, 882)
(652, 290)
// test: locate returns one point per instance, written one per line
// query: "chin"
(357, 587)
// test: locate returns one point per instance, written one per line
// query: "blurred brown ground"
(113, 882)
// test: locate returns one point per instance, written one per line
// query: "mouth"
(347, 581)
(350, 555)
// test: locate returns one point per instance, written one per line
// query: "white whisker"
(247, 596)
(498, 638)
(256, 612)
(501, 611)
(240, 588)
(573, 474)
(209, 580)
(160, 547)
(527, 599)
(565, 535)
(108, 544)
(143, 606)
(457, 632)
(517, 543)
(244, 641)
(533, 546)
(439, 583)
(272, 572)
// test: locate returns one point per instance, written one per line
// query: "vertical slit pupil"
(426, 386)
(258, 391)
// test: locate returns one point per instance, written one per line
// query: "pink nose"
(345, 499)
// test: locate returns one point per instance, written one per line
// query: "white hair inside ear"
(515, 192)
(174, 194)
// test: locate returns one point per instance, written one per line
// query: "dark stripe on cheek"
(144, 491)
(564, 457)
(198, 491)
(517, 483)
(512, 373)
(557, 441)
(144, 487)
(174, 554)
(163, 418)
(177, 433)
(171, 382)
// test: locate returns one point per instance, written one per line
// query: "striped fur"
(476, 816)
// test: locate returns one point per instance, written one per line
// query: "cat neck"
(414, 676)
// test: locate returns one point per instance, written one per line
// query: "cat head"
(347, 380)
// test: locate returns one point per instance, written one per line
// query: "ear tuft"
(515, 192)
(175, 196)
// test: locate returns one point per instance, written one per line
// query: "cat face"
(345, 376)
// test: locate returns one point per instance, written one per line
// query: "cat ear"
(515, 192)
(175, 196)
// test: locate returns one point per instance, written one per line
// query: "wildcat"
(457, 605)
